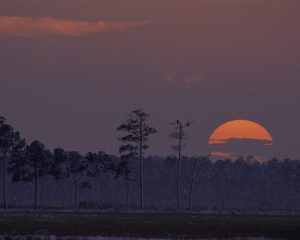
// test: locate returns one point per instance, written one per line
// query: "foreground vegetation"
(151, 225)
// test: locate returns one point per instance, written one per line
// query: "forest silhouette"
(35, 177)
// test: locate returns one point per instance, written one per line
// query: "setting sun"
(240, 129)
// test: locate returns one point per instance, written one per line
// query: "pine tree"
(38, 161)
(137, 133)
(59, 170)
(9, 140)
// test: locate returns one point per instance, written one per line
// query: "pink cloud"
(222, 154)
(194, 79)
(170, 77)
(33, 27)
(217, 141)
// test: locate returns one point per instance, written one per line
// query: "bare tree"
(135, 141)
(180, 136)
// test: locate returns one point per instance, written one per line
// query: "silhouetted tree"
(18, 167)
(99, 164)
(38, 159)
(180, 136)
(286, 172)
(196, 160)
(123, 169)
(272, 169)
(109, 172)
(59, 169)
(135, 141)
(9, 140)
(44, 172)
(297, 182)
(221, 173)
(76, 168)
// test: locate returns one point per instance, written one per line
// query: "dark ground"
(150, 225)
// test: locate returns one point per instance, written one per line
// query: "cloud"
(170, 77)
(241, 141)
(34, 27)
(194, 79)
(221, 154)
(217, 141)
(243, 147)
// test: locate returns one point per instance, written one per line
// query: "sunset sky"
(71, 70)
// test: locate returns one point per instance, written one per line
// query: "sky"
(72, 70)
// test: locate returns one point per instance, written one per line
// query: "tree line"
(187, 183)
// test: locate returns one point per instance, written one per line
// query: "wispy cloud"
(217, 141)
(222, 154)
(34, 27)
(194, 79)
(170, 77)
(247, 141)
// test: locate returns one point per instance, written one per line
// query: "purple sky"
(71, 70)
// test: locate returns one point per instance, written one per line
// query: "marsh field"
(150, 225)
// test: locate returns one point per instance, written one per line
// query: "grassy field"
(150, 225)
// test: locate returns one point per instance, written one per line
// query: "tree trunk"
(101, 192)
(127, 193)
(20, 195)
(70, 194)
(192, 184)
(36, 187)
(289, 201)
(141, 167)
(178, 185)
(223, 201)
(178, 169)
(223, 193)
(141, 179)
(42, 192)
(107, 197)
(274, 196)
(4, 183)
(76, 194)
(298, 197)
(62, 192)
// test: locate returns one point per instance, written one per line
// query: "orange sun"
(240, 129)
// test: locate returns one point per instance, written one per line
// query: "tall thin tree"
(180, 136)
(193, 177)
(123, 169)
(137, 133)
(9, 139)
(99, 164)
(18, 167)
(36, 154)
(59, 169)
(76, 167)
